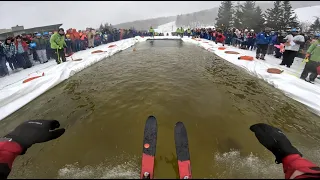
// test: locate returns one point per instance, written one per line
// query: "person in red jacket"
(31, 132)
(22, 53)
(220, 38)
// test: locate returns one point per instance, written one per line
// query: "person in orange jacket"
(70, 36)
(76, 40)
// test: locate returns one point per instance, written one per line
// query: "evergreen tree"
(316, 25)
(224, 17)
(289, 19)
(274, 16)
(237, 16)
(248, 12)
(259, 19)
(294, 23)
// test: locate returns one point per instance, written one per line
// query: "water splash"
(127, 170)
(234, 165)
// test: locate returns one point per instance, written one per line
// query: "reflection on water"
(104, 109)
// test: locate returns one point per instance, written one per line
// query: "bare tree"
(305, 26)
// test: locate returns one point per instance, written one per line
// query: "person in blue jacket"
(263, 40)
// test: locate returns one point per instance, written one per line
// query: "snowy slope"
(168, 27)
(308, 14)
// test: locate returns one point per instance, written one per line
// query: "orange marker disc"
(146, 145)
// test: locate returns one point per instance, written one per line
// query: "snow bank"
(288, 82)
(14, 94)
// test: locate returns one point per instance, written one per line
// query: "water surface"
(104, 108)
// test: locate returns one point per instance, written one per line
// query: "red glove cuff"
(9, 150)
(295, 162)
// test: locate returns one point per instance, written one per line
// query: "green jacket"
(181, 30)
(151, 30)
(189, 31)
(178, 30)
(314, 51)
(57, 41)
(41, 43)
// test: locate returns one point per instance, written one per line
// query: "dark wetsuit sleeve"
(8, 152)
(296, 167)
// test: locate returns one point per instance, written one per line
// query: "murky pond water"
(104, 109)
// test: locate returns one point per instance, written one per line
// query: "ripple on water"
(127, 170)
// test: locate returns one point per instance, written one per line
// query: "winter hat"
(61, 29)
(38, 34)
(294, 30)
(18, 37)
(45, 33)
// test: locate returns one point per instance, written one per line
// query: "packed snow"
(14, 94)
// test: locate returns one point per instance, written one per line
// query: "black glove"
(274, 140)
(35, 131)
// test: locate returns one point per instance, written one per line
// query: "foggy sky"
(84, 14)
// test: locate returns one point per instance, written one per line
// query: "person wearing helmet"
(22, 53)
(41, 43)
(46, 37)
(58, 43)
(263, 40)
(292, 46)
(312, 66)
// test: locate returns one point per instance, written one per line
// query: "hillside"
(145, 24)
(204, 17)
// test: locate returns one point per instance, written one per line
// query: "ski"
(149, 148)
(182, 150)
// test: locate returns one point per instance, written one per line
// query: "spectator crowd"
(27, 50)
(23, 51)
(286, 44)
